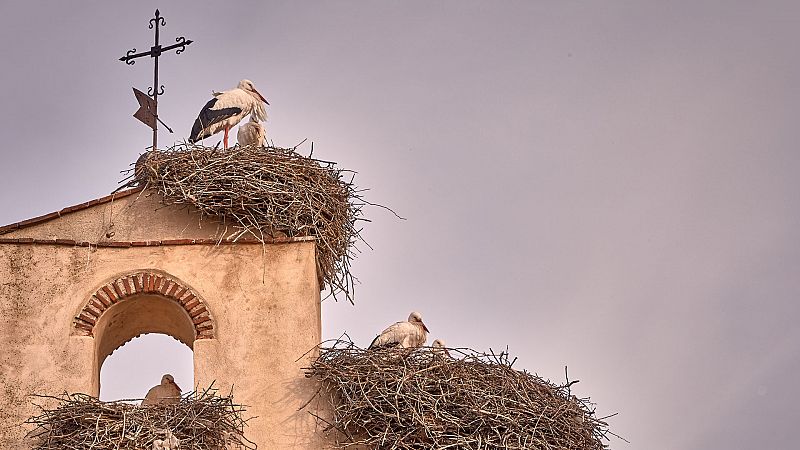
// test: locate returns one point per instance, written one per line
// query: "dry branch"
(201, 421)
(265, 192)
(425, 399)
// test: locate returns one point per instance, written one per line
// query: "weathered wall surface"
(137, 217)
(264, 301)
(38, 355)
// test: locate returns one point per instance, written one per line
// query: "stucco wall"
(264, 301)
(137, 217)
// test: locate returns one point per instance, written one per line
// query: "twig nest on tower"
(401, 399)
(265, 192)
(200, 421)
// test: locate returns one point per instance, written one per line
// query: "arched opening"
(138, 315)
(139, 303)
(139, 364)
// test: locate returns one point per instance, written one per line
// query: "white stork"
(165, 393)
(252, 133)
(440, 348)
(409, 334)
(227, 109)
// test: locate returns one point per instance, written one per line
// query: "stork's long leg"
(226, 137)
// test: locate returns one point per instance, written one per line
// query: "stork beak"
(424, 327)
(260, 96)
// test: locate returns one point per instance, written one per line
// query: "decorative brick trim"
(144, 282)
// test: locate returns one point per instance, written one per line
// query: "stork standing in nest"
(409, 334)
(226, 109)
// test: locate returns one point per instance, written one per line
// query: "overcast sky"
(607, 185)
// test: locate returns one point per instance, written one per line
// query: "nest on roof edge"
(201, 421)
(448, 398)
(265, 192)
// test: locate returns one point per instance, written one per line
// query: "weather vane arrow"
(148, 107)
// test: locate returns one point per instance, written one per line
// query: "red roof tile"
(70, 209)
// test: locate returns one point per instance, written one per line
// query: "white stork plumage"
(440, 348)
(165, 393)
(252, 133)
(170, 442)
(227, 109)
(409, 334)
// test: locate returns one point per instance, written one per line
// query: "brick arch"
(144, 282)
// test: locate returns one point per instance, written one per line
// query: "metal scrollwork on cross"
(148, 104)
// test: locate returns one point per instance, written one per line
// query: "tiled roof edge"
(164, 242)
(70, 209)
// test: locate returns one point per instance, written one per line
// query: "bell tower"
(80, 282)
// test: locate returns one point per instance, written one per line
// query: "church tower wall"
(71, 291)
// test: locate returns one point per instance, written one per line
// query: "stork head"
(440, 348)
(167, 379)
(247, 86)
(416, 318)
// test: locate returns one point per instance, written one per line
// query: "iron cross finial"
(146, 106)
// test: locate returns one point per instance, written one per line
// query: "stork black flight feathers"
(227, 109)
(209, 116)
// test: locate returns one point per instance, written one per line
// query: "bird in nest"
(227, 109)
(407, 334)
(165, 393)
(439, 348)
(252, 134)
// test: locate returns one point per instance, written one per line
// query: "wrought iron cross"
(148, 109)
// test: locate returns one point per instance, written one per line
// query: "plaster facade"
(76, 286)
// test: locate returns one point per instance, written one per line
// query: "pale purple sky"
(611, 186)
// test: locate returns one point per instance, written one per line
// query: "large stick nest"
(448, 398)
(266, 193)
(203, 421)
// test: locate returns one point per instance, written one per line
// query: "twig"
(425, 398)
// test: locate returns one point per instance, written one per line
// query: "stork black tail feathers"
(198, 131)
(209, 116)
(372, 345)
(195, 134)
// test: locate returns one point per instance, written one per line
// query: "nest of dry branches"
(265, 192)
(205, 421)
(448, 398)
